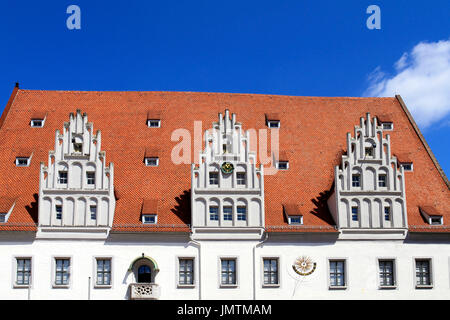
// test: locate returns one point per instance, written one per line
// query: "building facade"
(218, 196)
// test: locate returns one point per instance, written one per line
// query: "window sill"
(337, 287)
(228, 286)
(185, 286)
(271, 285)
(102, 286)
(387, 287)
(61, 286)
(21, 286)
(424, 286)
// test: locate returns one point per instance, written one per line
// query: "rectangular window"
(213, 178)
(387, 213)
(93, 210)
(62, 271)
(23, 272)
(2, 217)
(58, 209)
(151, 162)
(423, 275)
(386, 269)
(90, 177)
(149, 218)
(214, 213)
(337, 273)
(22, 162)
(407, 166)
(228, 213)
(153, 123)
(354, 213)
(270, 271)
(228, 271)
(436, 220)
(382, 180)
(388, 125)
(240, 177)
(103, 272)
(283, 165)
(37, 123)
(273, 123)
(62, 177)
(295, 220)
(356, 180)
(369, 151)
(186, 272)
(241, 213)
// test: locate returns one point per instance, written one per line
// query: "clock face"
(227, 167)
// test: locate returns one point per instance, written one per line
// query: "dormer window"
(153, 123)
(22, 162)
(37, 123)
(388, 126)
(295, 219)
(283, 165)
(151, 161)
(273, 124)
(436, 220)
(149, 218)
(2, 217)
(407, 166)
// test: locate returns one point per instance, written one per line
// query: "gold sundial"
(304, 266)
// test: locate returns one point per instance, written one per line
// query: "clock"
(227, 167)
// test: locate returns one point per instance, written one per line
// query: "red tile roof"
(313, 131)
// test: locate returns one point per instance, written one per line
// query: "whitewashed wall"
(165, 250)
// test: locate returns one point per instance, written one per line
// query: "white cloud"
(422, 79)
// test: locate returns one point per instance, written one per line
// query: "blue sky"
(310, 48)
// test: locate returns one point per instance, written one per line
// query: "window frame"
(155, 216)
(394, 273)
(389, 213)
(358, 180)
(214, 214)
(382, 180)
(228, 214)
(3, 216)
(270, 285)
(90, 177)
(177, 273)
(295, 223)
(56, 211)
(54, 270)
(403, 164)
(27, 159)
(149, 121)
(66, 178)
(239, 179)
(95, 272)
(236, 272)
(216, 178)
(352, 214)
(240, 214)
(390, 124)
(32, 123)
(15, 285)
(147, 159)
(430, 273)
(345, 270)
(276, 122)
(283, 162)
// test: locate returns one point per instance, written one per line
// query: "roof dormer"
(6, 207)
(431, 215)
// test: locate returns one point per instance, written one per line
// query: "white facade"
(259, 264)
